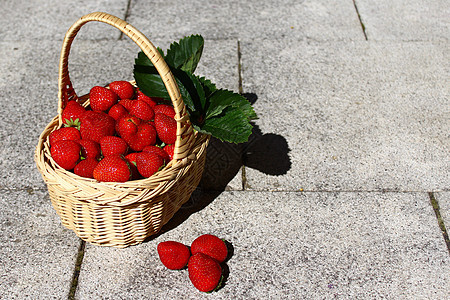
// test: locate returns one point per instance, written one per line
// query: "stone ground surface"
(341, 192)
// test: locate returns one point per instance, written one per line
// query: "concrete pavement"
(336, 195)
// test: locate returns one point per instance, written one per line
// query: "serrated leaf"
(222, 99)
(208, 86)
(185, 54)
(191, 89)
(143, 60)
(149, 81)
(246, 108)
(231, 126)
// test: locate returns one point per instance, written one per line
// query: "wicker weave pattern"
(121, 214)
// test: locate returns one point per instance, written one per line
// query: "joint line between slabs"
(241, 91)
(76, 271)
(125, 18)
(440, 221)
(360, 21)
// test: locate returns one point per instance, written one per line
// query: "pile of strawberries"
(122, 135)
(204, 259)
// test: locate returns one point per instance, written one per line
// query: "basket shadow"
(265, 152)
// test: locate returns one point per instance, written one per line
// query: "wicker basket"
(121, 214)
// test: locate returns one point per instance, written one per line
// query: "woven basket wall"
(121, 214)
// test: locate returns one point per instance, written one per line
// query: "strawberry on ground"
(101, 98)
(95, 125)
(112, 168)
(166, 127)
(157, 150)
(210, 245)
(165, 109)
(113, 145)
(123, 89)
(148, 163)
(72, 112)
(89, 149)
(66, 153)
(173, 255)
(64, 133)
(205, 272)
(85, 168)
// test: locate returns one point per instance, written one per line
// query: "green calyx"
(72, 123)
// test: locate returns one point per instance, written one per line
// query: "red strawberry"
(95, 125)
(165, 109)
(72, 112)
(145, 135)
(64, 133)
(145, 98)
(166, 127)
(85, 168)
(142, 110)
(205, 272)
(113, 145)
(131, 158)
(173, 255)
(156, 150)
(127, 103)
(112, 168)
(101, 98)
(66, 153)
(210, 245)
(117, 111)
(170, 150)
(123, 89)
(127, 126)
(89, 149)
(148, 163)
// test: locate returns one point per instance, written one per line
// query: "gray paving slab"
(29, 85)
(405, 20)
(289, 245)
(50, 19)
(348, 116)
(317, 20)
(28, 89)
(37, 254)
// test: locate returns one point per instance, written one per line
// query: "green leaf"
(208, 86)
(149, 81)
(191, 89)
(143, 60)
(231, 126)
(222, 99)
(246, 108)
(185, 54)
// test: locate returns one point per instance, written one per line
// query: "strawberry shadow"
(224, 265)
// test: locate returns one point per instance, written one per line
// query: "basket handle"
(66, 92)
